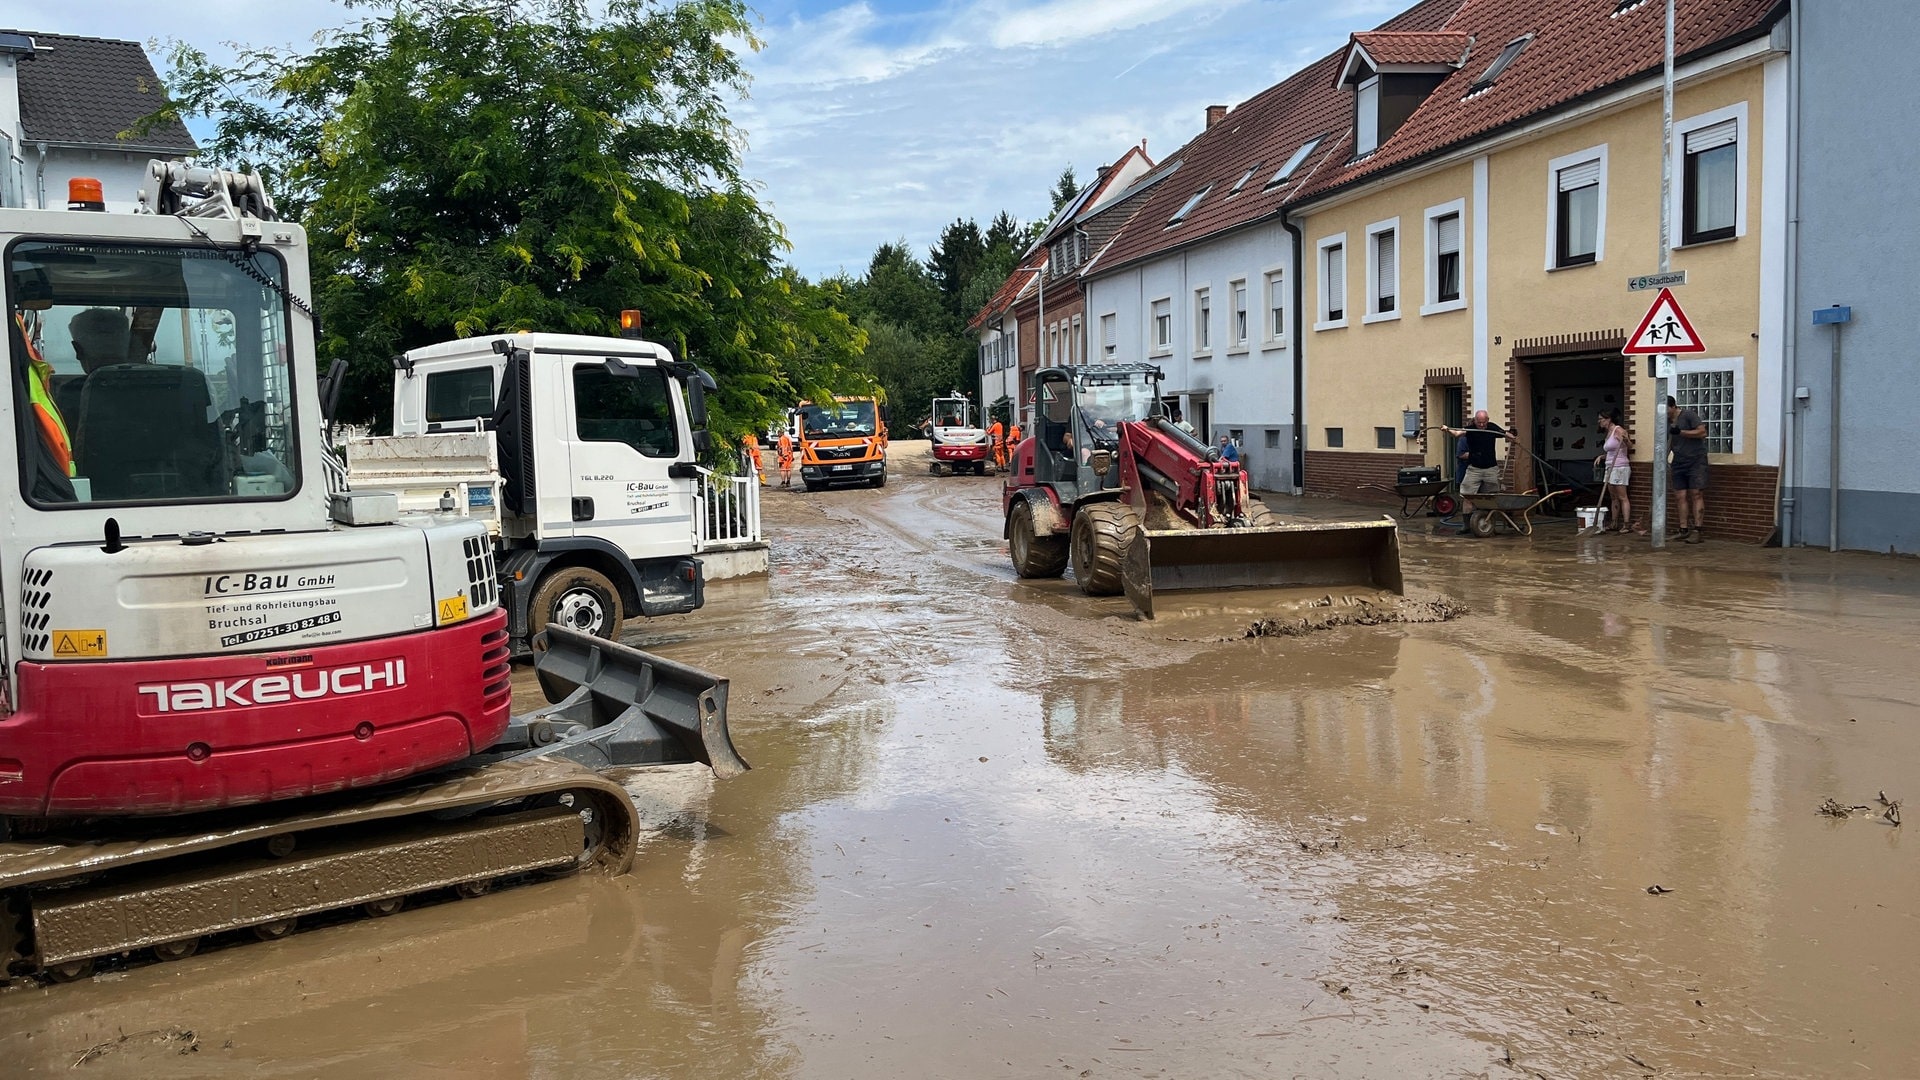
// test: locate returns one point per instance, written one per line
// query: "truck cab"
(581, 454)
(842, 441)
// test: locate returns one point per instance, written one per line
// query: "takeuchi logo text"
(244, 693)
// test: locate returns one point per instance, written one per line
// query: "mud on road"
(997, 829)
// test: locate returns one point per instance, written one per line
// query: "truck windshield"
(147, 373)
(840, 420)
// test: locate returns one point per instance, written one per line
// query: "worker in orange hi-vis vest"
(997, 435)
(785, 453)
(750, 456)
(1013, 439)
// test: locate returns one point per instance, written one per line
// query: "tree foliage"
(466, 167)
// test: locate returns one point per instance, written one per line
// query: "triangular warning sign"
(1664, 330)
(63, 645)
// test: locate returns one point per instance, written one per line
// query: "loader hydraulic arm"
(1188, 475)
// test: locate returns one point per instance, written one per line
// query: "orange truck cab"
(841, 441)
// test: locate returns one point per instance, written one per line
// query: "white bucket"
(1592, 517)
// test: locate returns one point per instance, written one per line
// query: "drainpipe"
(1790, 423)
(1299, 362)
(40, 179)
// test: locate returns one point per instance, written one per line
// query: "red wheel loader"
(1134, 504)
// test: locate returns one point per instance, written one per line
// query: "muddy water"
(998, 829)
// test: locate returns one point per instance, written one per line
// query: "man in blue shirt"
(1228, 451)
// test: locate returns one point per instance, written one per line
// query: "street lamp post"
(1662, 364)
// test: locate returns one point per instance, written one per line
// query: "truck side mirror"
(886, 415)
(702, 442)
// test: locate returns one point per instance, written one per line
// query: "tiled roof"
(89, 91)
(1260, 133)
(1010, 289)
(1415, 47)
(1578, 48)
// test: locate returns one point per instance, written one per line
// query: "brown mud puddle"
(998, 829)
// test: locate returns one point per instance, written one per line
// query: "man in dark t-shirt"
(1483, 465)
(1687, 439)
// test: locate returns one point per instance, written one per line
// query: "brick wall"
(1344, 474)
(1740, 501)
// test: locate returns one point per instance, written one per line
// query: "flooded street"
(998, 829)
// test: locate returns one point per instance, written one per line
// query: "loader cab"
(1078, 412)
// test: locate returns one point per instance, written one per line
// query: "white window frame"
(1109, 335)
(1736, 112)
(1075, 347)
(1366, 121)
(1433, 305)
(1156, 347)
(1738, 366)
(1391, 225)
(1568, 161)
(1203, 321)
(1239, 315)
(1320, 248)
(1052, 357)
(1275, 298)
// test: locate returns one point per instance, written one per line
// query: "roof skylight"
(1186, 208)
(1499, 64)
(1244, 177)
(1293, 163)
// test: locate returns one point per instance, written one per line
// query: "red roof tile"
(1415, 47)
(1010, 289)
(1260, 133)
(1578, 48)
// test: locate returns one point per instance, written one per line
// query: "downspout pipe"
(1790, 421)
(1299, 358)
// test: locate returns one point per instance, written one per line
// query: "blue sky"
(877, 120)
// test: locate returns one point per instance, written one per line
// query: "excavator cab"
(1134, 503)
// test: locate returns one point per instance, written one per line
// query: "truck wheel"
(1034, 556)
(816, 485)
(1101, 533)
(577, 598)
(878, 481)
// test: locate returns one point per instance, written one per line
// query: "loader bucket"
(1352, 554)
(614, 705)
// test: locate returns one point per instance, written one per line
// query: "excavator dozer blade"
(1352, 554)
(614, 705)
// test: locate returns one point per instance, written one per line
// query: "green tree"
(954, 260)
(468, 167)
(1065, 189)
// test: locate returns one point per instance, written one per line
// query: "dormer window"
(1391, 73)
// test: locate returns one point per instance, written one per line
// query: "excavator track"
(78, 891)
(65, 905)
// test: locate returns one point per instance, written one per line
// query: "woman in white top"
(1615, 459)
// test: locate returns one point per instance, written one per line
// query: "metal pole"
(1660, 447)
(1833, 449)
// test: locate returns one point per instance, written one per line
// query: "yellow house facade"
(1493, 272)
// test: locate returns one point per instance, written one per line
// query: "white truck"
(580, 454)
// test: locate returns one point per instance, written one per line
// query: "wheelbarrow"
(1423, 496)
(1514, 509)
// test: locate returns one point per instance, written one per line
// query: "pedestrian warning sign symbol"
(1664, 330)
(74, 644)
(453, 609)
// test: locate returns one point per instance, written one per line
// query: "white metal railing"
(727, 511)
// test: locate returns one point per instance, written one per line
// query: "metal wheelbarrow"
(1425, 495)
(1514, 509)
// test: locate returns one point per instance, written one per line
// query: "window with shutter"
(1446, 258)
(1386, 273)
(1709, 200)
(1336, 283)
(1578, 239)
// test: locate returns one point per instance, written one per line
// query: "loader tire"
(1260, 515)
(1101, 533)
(1034, 556)
(579, 598)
